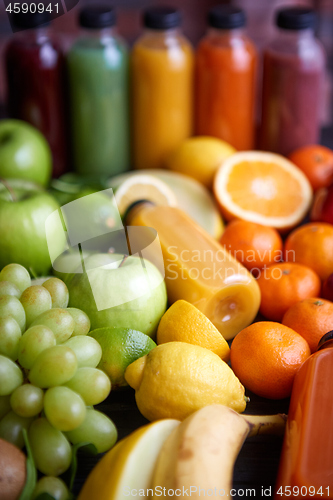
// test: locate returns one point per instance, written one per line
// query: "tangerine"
(312, 245)
(311, 318)
(316, 162)
(284, 284)
(254, 245)
(265, 357)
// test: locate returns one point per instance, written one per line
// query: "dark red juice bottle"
(36, 83)
(293, 78)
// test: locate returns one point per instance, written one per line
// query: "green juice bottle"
(97, 67)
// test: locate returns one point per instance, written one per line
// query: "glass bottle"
(196, 267)
(162, 82)
(35, 78)
(97, 66)
(226, 64)
(293, 78)
(305, 467)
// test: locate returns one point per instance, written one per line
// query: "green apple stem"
(9, 189)
(123, 261)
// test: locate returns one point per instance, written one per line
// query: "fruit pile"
(65, 340)
(49, 382)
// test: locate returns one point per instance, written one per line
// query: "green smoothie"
(98, 83)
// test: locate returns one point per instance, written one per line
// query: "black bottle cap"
(328, 337)
(161, 18)
(29, 20)
(295, 18)
(97, 17)
(226, 17)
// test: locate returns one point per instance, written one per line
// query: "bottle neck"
(134, 209)
(234, 33)
(162, 34)
(295, 35)
(98, 34)
(35, 36)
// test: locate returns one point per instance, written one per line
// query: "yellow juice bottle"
(162, 93)
(197, 268)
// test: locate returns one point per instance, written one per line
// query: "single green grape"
(34, 341)
(54, 366)
(27, 400)
(82, 321)
(97, 429)
(11, 376)
(11, 427)
(92, 384)
(35, 300)
(5, 406)
(64, 408)
(10, 334)
(17, 274)
(88, 351)
(8, 288)
(11, 306)
(51, 450)
(54, 486)
(58, 291)
(59, 321)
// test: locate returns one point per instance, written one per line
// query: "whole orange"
(284, 284)
(311, 318)
(316, 162)
(265, 357)
(254, 245)
(312, 245)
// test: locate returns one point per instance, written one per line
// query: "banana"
(200, 454)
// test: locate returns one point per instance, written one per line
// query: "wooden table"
(257, 463)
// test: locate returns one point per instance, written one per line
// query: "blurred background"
(260, 28)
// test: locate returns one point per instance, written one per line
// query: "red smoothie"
(35, 88)
(293, 76)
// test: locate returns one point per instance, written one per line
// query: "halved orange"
(264, 188)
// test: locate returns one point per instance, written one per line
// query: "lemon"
(120, 347)
(200, 157)
(183, 322)
(176, 379)
(129, 465)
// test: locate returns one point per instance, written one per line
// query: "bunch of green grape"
(49, 382)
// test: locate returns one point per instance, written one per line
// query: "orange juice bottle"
(162, 80)
(225, 78)
(196, 267)
(306, 462)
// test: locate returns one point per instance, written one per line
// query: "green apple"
(128, 293)
(24, 153)
(24, 208)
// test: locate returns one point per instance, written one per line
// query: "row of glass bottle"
(109, 111)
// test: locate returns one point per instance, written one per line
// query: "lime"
(120, 348)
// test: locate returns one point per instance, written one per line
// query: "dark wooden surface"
(257, 463)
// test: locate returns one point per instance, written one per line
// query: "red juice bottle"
(293, 79)
(306, 462)
(35, 80)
